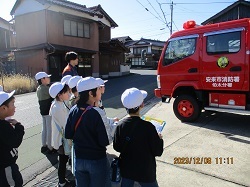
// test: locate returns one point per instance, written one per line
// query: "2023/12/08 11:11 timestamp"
(204, 160)
(224, 160)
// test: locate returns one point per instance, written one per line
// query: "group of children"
(65, 95)
(72, 112)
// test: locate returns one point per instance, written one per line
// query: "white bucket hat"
(132, 97)
(87, 83)
(5, 96)
(73, 81)
(55, 88)
(41, 75)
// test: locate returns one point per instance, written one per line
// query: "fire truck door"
(223, 59)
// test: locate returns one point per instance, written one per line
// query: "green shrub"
(20, 83)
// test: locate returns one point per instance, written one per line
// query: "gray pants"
(46, 131)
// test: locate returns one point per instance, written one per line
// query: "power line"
(154, 35)
(155, 10)
(175, 26)
(201, 3)
(163, 14)
(149, 11)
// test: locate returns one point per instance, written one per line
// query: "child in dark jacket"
(135, 136)
(11, 136)
(45, 101)
(85, 126)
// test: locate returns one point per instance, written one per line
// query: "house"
(47, 29)
(144, 52)
(7, 43)
(111, 52)
(239, 9)
(123, 39)
(7, 37)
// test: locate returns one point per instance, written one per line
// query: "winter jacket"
(138, 159)
(44, 99)
(90, 138)
(11, 138)
(59, 113)
(69, 70)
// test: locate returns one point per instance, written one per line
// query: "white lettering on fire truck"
(226, 81)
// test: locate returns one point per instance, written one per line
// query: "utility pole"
(171, 26)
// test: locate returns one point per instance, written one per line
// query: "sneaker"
(66, 184)
(44, 149)
(52, 151)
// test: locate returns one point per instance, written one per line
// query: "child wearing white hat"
(72, 85)
(65, 80)
(110, 123)
(11, 136)
(85, 126)
(59, 113)
(141, 139)
(44, 101)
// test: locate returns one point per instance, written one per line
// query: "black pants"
(63, 159)
(11, 176)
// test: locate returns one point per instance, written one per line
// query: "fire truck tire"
(186, 108)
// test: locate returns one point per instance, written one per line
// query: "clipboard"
(159, 124)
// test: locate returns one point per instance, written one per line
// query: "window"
(223, 43)
(179, 48)
(77, 29)
(137, 62)
(84, 60)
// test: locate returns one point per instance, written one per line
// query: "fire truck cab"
(206, 67)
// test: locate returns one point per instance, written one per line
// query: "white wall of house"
(28, 6)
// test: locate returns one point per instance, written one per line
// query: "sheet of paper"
(159, 124)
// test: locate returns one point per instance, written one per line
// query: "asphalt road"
(27, 109)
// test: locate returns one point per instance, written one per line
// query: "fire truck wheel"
(186, 108)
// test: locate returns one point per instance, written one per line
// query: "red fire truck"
(206, 67)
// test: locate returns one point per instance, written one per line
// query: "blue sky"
(135, 21)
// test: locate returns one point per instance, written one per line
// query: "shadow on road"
(235, 127)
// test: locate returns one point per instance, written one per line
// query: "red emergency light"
(189, 24)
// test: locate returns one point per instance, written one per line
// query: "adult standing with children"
(45, 101)
(11, 137)
(138, 143)
(85, 126)
(72, 60)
